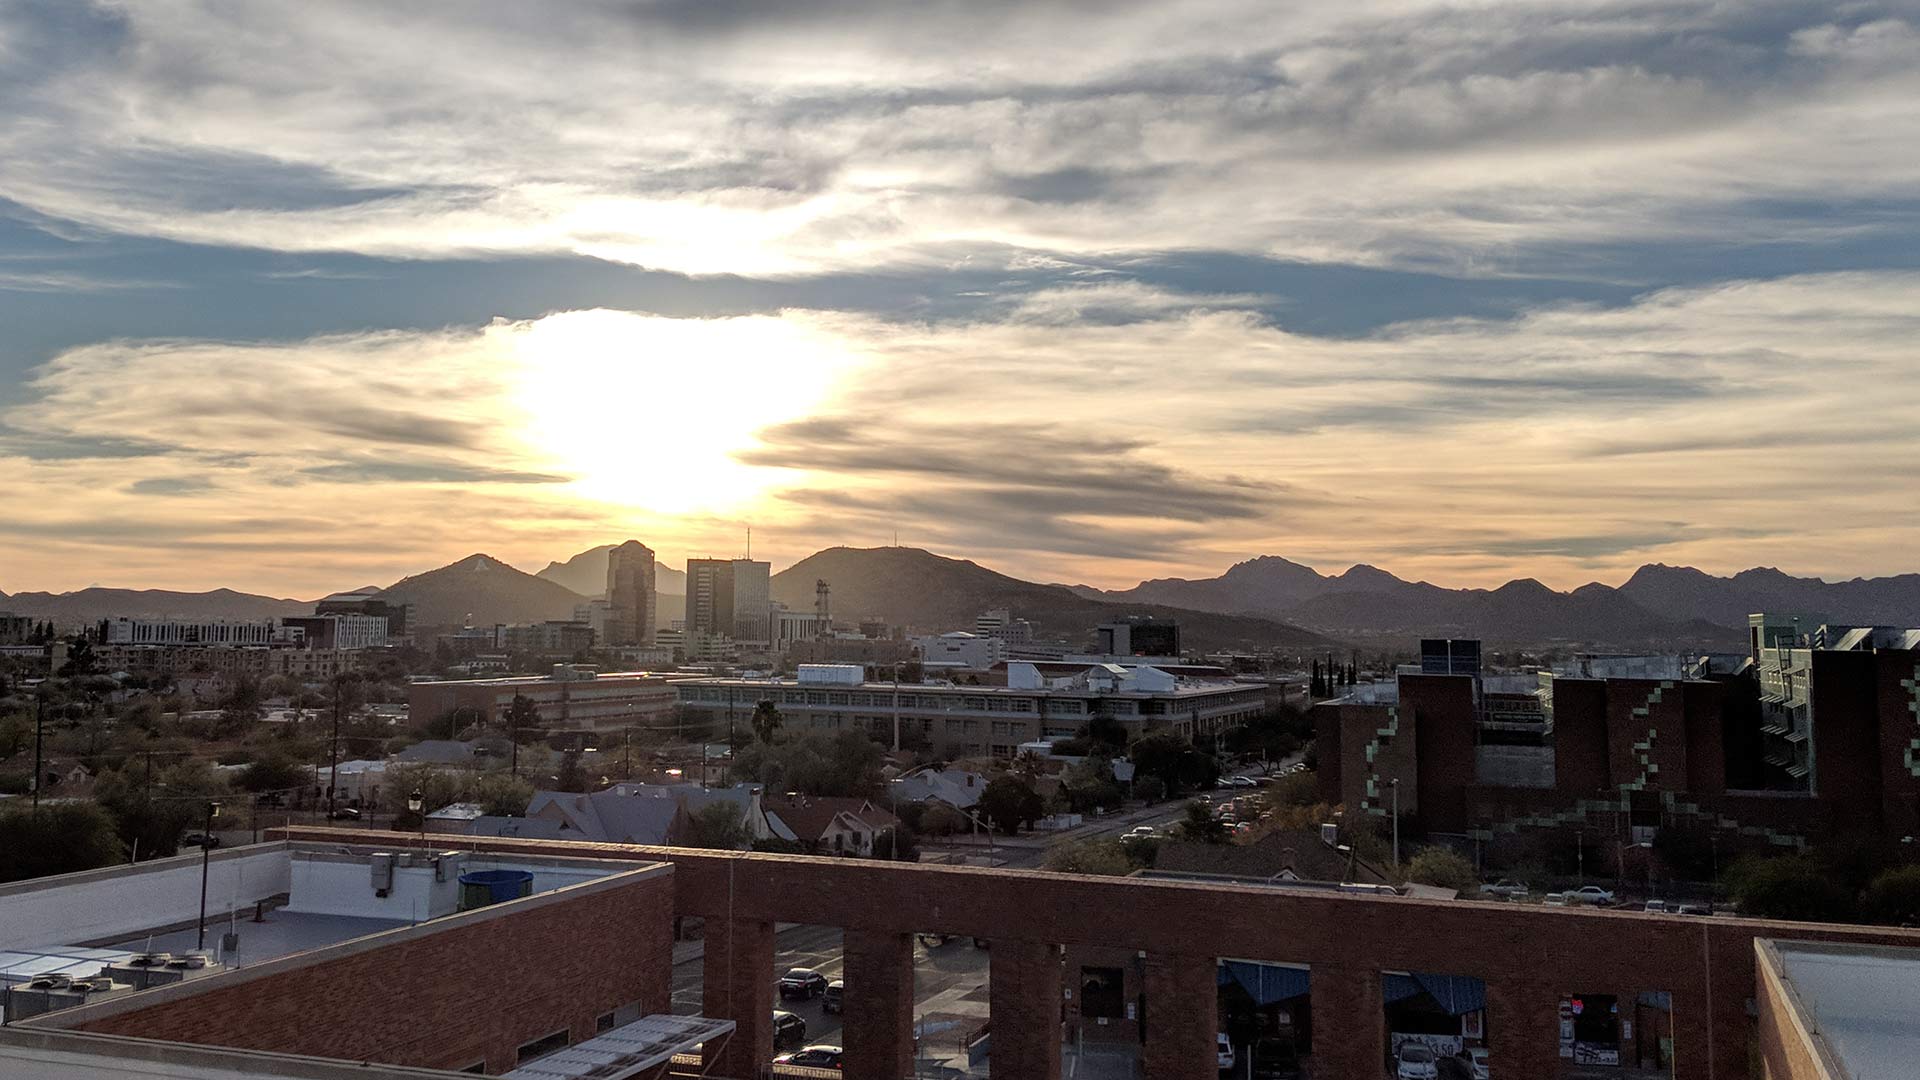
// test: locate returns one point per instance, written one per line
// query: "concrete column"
(1024, 1005)
(877, 1021)
(1183, 1021)
(1349, 1023)
(1523, 1028)
(739, 977)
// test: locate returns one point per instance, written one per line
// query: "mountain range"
(1267, 601)
(1658, 607)
(586, 574)
(910, 587)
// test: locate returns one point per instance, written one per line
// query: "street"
(950, 980)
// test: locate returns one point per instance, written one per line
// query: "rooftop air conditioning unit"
(152, 959)
(191, 960)
(51, 982)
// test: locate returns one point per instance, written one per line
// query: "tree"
(571, 776)
(1171, 757)
(766, 721)
(897, 845)
(1789, 887)
(522, 718)
(150, 812)
(79, 659)
(1894, 898)
(1105, 857)
(1200, 825)
(813, 763)
(718, 826)
(497, 793)
(1102, 729)
(942, 820)
(1089, 784)
(1010, 802)
(1443, 867)
(273, 774)
(61, 838)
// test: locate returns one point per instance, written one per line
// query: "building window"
(541, 1047)
(603, 1023)
(1102, 993)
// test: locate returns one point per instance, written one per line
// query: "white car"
(1415, 1061)
(1505, 889)
(1478, 1056)
(1590, 894)
(1225, 1048)
(1555, 899)
(1656, 906)
(1140, 831)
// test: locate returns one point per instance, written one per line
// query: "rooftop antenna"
(749, 540)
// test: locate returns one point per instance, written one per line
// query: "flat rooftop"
(1860, 1002)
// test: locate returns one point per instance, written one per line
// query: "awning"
(626, 1051)
(1456, 995)
(1266, 984)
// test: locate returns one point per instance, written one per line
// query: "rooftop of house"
(808, 817)
(1296, 852)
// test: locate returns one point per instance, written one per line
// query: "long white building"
(985, 720)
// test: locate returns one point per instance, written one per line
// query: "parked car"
(1478, 1056)
(1275, 1059)
(1415, 1061)
(802, 983)
(789, 1031)
(1140, 832)
(1505, 888)
(830, 1001)
(1223, 1046)
(1657, 906)
(1242, 781)
(1555, 899)
(199, 840)
(1590, 894)
(345, 813)
(1694, 909)
(815, 1057)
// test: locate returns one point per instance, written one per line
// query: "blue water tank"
(478, 888)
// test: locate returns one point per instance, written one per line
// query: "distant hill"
(586, 574)
(1683, 592)
(1658, 607)
(927, 592)
(484, 588)
(81, 607)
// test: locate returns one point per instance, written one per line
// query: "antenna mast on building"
(822, 609)
(749, 540)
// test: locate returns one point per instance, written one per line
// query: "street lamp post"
(417, 804)
(1395, 785)
(206, 857)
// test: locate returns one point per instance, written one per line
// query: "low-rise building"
(829, 826)
(984, 720)
(571, 699)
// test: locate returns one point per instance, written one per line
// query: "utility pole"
(39, 738)
(206, 856)
(333, 752)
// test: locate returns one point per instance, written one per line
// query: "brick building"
(1766, 750)
(486, 988)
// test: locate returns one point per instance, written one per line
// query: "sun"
(648, 412)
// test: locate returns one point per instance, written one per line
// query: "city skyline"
(303, 299)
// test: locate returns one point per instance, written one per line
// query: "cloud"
(793, 139)
(1747, 423)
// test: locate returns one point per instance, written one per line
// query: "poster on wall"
(1473, 1025)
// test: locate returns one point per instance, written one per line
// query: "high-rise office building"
(630, 594)
(731, 597)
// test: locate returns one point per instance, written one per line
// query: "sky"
(298, 297)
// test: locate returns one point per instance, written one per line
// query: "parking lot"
(950, 986)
